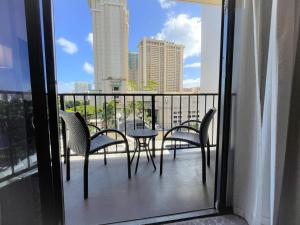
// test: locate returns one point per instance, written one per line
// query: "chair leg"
(68, 164)
(175, 150)
(161, 157)
(128, 160)
(105, 160)
(86, 177)
(208, 153)
(203, 165)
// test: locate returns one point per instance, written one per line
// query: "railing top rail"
(138, 94)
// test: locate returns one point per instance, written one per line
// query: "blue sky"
(163, 19)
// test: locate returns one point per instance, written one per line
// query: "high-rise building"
(162, 62)
(133, 66)
(82, 87)
(110, 43)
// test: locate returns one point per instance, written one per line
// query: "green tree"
(90, 110)
(70, 104)
(132, 85)
(151, 86)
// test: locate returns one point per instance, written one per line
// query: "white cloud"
(90, 38)
(88, 68)
(165, 4)
(183, 29)
(65, 87)
(67, 46)
(193, 65)
(189, 83)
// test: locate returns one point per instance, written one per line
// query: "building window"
(116, 88)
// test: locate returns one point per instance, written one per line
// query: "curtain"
(266, 143)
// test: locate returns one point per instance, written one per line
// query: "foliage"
(132, 85)
(90, 110)
(151, 86)
(70, 104)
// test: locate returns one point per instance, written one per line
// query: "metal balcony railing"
(140, 110)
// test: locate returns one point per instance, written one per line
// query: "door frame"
(49, 50)
(42, 72)
(224, 113)
(223, 133)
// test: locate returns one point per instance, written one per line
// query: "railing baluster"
(171, 111)
(212, 137)
(115, 108)
(189, 108)
(163, 115)
(124, 98)
(96, 116)
(153, 122)
(105, 112)
(63, 127)
(197, 106)
(84, 100)
(180, 113)
(143, 100)
(74, 103)
(133, 112)
(205, 104)
(172, 118)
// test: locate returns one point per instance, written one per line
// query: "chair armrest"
(178, 128)
(91, 125)
(191, 121)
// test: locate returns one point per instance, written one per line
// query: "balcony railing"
(140, 110)
(17, 143)
(120, 111)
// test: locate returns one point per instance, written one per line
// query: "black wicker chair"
(83, 143)
(199, 138)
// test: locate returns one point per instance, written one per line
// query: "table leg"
(135, 149)
(138, 159)
(148, 149)
(147, 153)
(151, 156)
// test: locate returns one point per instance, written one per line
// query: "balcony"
(178, 190)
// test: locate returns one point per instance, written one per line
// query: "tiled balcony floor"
(114, 198)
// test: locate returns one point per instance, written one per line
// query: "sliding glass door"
(27, 195)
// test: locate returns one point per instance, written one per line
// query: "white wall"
(210, 47)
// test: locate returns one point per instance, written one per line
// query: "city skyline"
(70, 50)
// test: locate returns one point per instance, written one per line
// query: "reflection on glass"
(17, 147)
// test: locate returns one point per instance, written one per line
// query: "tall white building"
(110, 43)
(162, 62)
(82, 87)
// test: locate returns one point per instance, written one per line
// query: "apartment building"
(162, 62)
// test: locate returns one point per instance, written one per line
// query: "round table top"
(142, 133)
